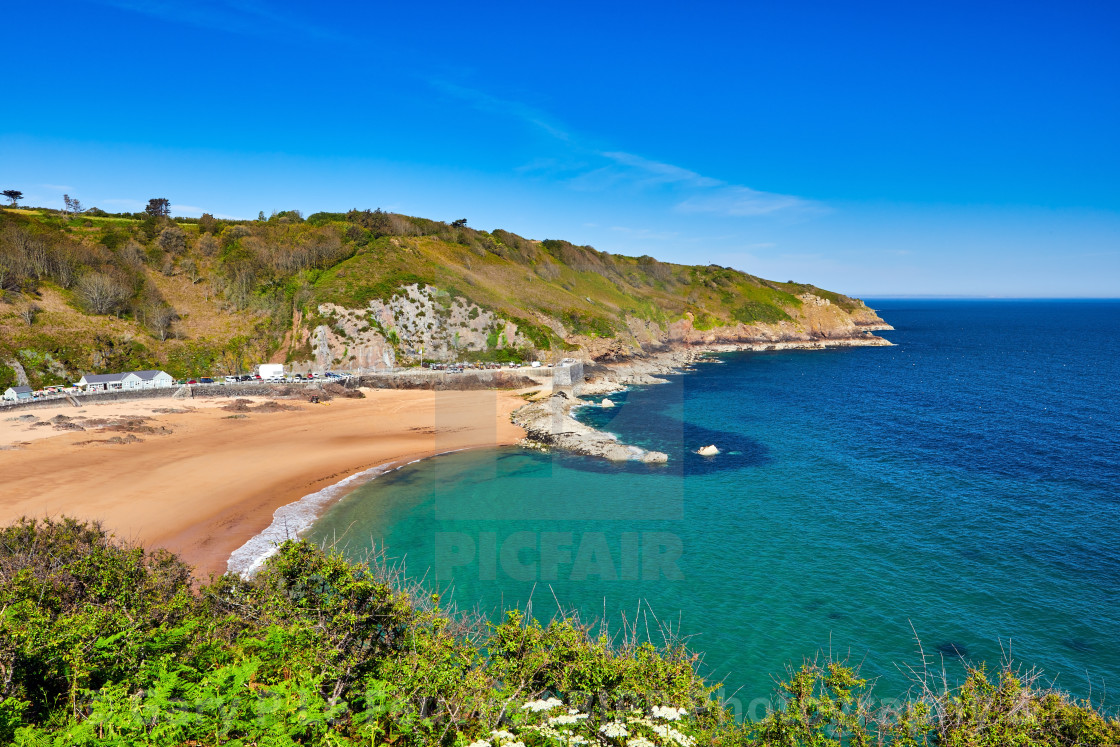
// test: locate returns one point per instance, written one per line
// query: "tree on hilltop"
(14, 195)
(72, 205)
(158, 207)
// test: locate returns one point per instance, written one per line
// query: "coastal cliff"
(816, 323)
(366, 290)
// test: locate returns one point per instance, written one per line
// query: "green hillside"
(102, 643)
(98, 291)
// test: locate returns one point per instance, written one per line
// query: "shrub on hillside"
(104, 642)
(101, 293)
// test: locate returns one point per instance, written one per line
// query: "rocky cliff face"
(446, 327)
(817, 320)
(415, 319)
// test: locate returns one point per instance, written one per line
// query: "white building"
(18, 394)
(127, 381)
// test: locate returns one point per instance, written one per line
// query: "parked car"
(205, 380)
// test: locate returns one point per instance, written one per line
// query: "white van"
(271, 371)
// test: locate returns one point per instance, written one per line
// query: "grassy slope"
(537, 284)
(551, 289)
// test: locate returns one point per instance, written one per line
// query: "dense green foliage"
(139, 286)
(104, 643)
(756, 311)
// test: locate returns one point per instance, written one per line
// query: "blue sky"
(873, 148)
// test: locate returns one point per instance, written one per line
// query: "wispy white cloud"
(738, 201)
(599, 169)
(187, 210)
(620, 169)
(494, 105)
(58, 187)
(654, 172)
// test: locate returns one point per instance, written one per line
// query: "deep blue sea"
(961, 486)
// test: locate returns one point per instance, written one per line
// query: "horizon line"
(968, 297)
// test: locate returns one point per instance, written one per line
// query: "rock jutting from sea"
(549, 422)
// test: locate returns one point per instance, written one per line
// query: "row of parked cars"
(252, 378)
(460, 367)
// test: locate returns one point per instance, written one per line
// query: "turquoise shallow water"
(963, 484)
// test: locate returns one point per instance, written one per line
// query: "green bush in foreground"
(104, 643)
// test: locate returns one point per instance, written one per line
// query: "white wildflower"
(567, 719)
(480, 743)
(502, 736)
(670, 733)
(668, 712)
(614, 729)
(541, 705)
(549, 732)
(639, 742)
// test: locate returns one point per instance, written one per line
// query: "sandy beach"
(200, 478)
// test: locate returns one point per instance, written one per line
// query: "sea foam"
(291, 520)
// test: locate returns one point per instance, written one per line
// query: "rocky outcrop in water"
(643, 369)
(549, 422)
